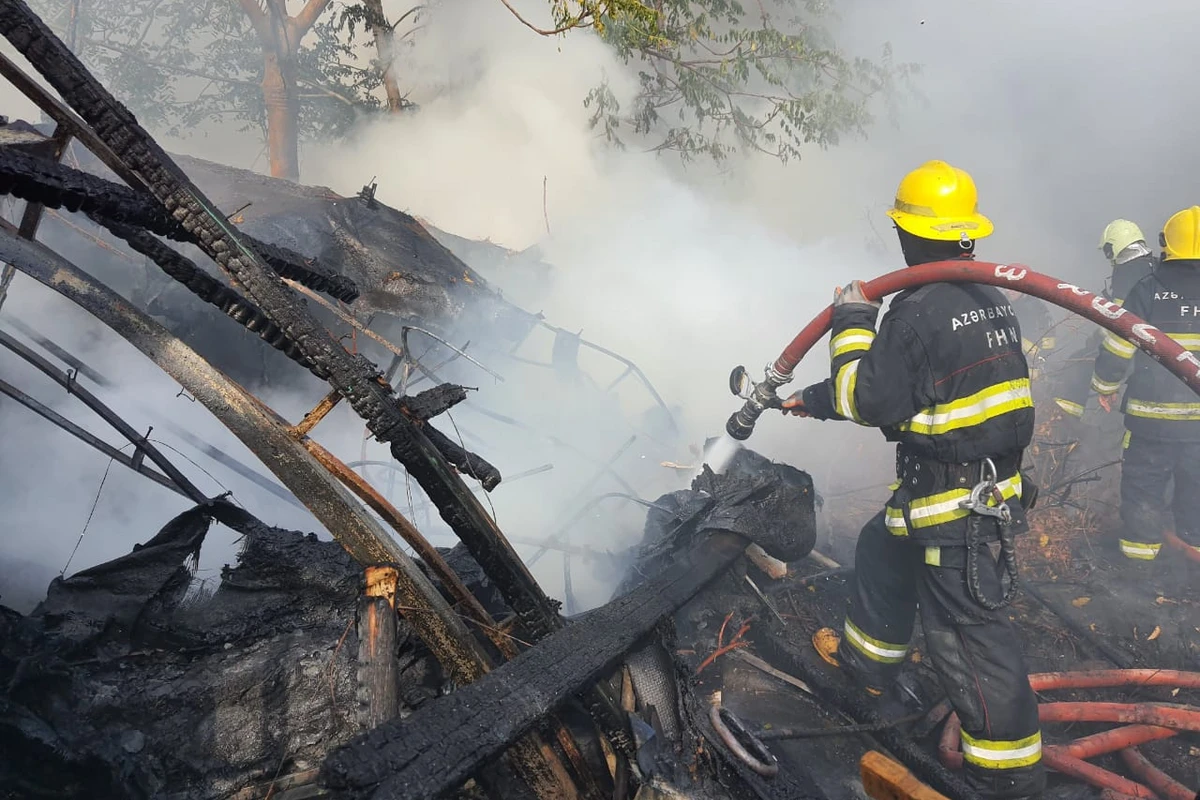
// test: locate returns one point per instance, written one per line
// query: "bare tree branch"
(580, 21)
(258, 18)
(302, 22)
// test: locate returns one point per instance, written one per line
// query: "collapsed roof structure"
(352, 668)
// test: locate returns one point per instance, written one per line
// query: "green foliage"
(715, 77)
(179, 64)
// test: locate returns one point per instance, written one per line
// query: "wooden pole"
(378, 687)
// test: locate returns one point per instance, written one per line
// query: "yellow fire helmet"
(1180, 237)
(938, 201)
(1119, 234)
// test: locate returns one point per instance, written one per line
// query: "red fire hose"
(1152, 721)
(1009, 276)
(1056, 758)
(1109, 741)
(1112, 678)
(1183, 547)
(1163, 784)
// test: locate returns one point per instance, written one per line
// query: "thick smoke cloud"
(1059, 112)
(1068, 114)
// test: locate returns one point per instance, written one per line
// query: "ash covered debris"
(771, 504)
(126, 682)
(694, 544)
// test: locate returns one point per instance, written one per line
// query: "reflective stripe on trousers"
(876, 650)
(990, 754)
(1141, 551)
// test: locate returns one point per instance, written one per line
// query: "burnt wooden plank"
(441, 745)
(378, 669)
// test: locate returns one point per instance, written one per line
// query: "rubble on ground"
(301, 674)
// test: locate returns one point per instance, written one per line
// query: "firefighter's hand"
(794, 405)
(1107, 401)
(853, 294)
(816, 401)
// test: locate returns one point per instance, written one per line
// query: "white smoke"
(1067, 114)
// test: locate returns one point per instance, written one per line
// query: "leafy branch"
(715, 77)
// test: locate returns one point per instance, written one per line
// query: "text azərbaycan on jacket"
(946, 379)
(1156, 404)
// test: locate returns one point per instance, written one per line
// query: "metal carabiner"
(983, 492)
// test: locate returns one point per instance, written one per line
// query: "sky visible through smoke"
(1067, 114)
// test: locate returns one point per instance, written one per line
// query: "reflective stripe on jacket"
(1124, 278)
(1156, 403)
(944, 377)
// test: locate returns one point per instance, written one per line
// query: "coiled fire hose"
(1105, 313)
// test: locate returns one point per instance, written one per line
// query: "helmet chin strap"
(918, 250)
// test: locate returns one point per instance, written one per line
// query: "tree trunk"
(279, 96)
(383, 46)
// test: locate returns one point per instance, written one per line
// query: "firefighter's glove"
(1107, 401)
(816, 401)
(853, 295)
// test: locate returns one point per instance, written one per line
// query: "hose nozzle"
(758, 396)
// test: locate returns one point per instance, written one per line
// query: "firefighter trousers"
(975, 652)
(1149, 466)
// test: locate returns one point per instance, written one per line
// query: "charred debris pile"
(361, 668)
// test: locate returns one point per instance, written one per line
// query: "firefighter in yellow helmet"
(945, 378)
(1124, 245)
(1162, 415)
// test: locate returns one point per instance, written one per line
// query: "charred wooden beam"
(353, 376)
(31, 217)
(258, 428)
(54, 185)
(271, 439)
(318, 413)
(206, 287)
(469, 603)
(62, 115)
(478, 532)
(443, 743)
(378, 669)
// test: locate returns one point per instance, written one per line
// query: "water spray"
(1109, 315)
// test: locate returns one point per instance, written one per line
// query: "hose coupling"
(758, 396)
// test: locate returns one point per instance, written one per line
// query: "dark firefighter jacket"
(1156, 403)
(1124, 278)
(945, 378)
